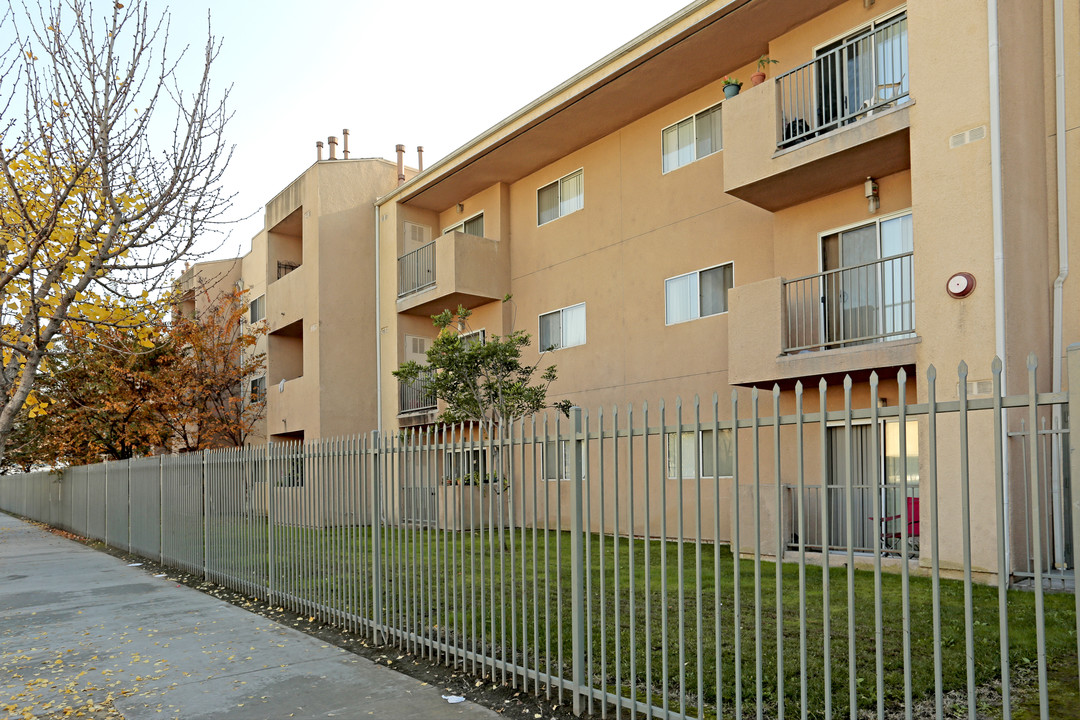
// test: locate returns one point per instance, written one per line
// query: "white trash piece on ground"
(453, 699)
(134, 564)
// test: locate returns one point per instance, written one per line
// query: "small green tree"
(483, 381)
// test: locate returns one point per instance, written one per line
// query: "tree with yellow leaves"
(110, 169)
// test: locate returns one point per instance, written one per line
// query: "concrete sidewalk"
(78, 627)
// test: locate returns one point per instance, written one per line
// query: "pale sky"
(416, 72)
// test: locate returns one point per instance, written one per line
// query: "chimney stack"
(345, 143)
(420, 157)
(400, 164)
(333, 147)
(318, 144)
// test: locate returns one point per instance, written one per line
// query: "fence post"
(1072, 355)
(161, 509)
(577, 563)
(376, 545)
(206, 520)
(128, 518)
(269, 525)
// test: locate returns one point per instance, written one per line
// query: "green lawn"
(479, 591)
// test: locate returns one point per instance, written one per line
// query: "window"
(692, 138)
(257, 310)
(284, 267)
(468, 466)
(850, 459)
(292, 471)
(868, 291)
(562, 328)
(557, 459)
(472, 226)
(707, 450)
(561, 197)
(416, 235)
(476, 336)
(257, 392)
(862, 71)
(697, 294)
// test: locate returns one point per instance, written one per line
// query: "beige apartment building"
(891, 197)
(205, 284)
(309, 277)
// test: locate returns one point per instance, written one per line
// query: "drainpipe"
(378, 326)
(1063, 266)
(996, 200)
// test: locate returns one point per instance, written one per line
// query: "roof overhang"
(687, 51)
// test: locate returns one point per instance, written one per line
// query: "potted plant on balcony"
(763, 62)
(732, 86)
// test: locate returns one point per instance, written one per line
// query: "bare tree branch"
(110, 170)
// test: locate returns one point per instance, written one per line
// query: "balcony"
(838, 119)
(289, 407)
(416, 396)
(286, 299)
(863, 76)
(854, 305)
(454, 269)
(849, 320)
(416, 270)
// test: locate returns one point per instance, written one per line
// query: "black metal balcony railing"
(852, 305)
(417, 395)
(867, 73)
(416, 270)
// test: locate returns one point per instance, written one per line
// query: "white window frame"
(696, 314)
(562, 461)
(876, 221)
(261, 300)
(261, 395)
(562, 325)
(688, 470)
(851, 32)
(693, 117)
(472, 335)
(559, 185)
(460, 226)
(469, 460)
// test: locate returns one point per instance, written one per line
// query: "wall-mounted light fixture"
(461, 207)
(871, 190)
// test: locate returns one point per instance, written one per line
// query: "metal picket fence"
(625, 561)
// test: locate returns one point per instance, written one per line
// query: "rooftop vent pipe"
(318, 152)
(400, 164)
(420, 158)
(345, 144)
(333, 147)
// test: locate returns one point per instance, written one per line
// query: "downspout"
(1063, 266)
(378, 325)
(996, 201)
